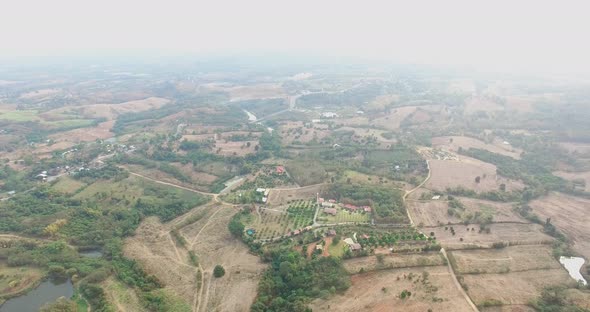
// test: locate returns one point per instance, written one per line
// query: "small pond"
(573, 266)
(48, 291)
(95, 253)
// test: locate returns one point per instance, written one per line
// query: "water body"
(573, 266)
(91, 253)
(251, 117)
(48, 291)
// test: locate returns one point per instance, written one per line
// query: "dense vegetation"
(386, 202)
(291, 281)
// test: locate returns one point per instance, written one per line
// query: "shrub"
(219, 271)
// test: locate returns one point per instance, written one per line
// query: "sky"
(499, 34)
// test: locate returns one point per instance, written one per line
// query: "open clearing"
(570, 215)
(453, 143)
(435, 212)
(380, 291)
(451, 173)
(513, 288)
(508, 259)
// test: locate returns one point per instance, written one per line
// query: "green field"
(68, 185)
(344, 216)
(21, 115)
(337, 250)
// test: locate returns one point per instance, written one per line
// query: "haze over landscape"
(294, 156)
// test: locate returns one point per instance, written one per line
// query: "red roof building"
(280, 169)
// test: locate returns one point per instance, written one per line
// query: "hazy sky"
(496, 34)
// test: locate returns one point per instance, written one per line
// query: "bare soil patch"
(380, 291)
(453, 143)
(451, 173)
(570, 215)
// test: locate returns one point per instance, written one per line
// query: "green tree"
(219, 271)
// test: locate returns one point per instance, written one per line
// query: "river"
(573, 266)
(48, 291)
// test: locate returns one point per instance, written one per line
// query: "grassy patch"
(337, 250)
(22, 115)
(68, 185)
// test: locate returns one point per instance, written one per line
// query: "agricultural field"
(453, 143)
(362, 178)
(504, 260)
(513, 233)
(393, 261)
(343, 216)
(436, 212)
(270, 223)
(68, 185)
(570, 215)
(430, 287)
(514, 288)
(463, 173)
(282, 196)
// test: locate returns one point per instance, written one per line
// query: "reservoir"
(48, 291)
(573, 266)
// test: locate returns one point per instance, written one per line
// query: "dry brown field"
(476, 104)
(280, 196)
(393, 120)
(110, 111)
(234, 148)
(514, 233)
(468, 142)
(434, 212)
(583, 175)
(569, 214)
(514, 287)
(258, 91)
(504, 260)
(289, 134)
(158, 253)
(451, 173)
(101, 131)
(393, 261)
(379, 291)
